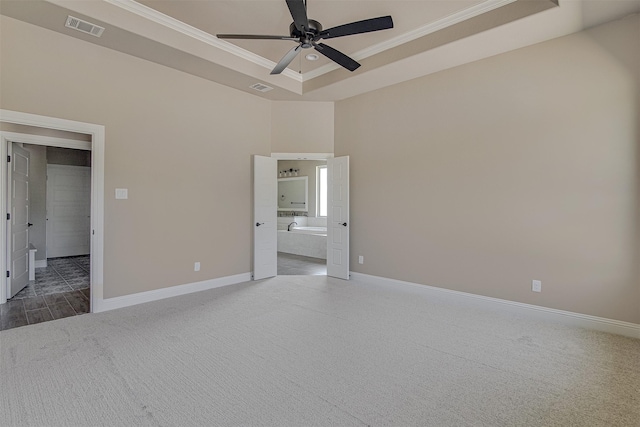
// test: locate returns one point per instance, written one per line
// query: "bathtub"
(321, 231)
(306, 241)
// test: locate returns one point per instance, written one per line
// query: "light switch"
(122, 193)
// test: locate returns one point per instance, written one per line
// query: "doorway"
(52, 218)
(43, 127)
(267, 224)
(302, 217)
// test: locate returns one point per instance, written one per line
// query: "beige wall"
(518, 167)
(522, 166)
(307, 168)
(302, 127)
(180, 144)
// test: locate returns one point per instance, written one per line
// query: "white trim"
(551, 314)
(302, 156)
(179, 26)
(195, 33)
(173, 291)
(41, 263)
(28, 119)
(422, 31)
(48, 140)
(97, 133)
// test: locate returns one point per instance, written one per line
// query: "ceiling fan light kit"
(308, 32)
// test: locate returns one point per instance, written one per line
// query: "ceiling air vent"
(84, 26)
(260, 87)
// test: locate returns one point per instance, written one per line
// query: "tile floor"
(289, 265)
(60, 290)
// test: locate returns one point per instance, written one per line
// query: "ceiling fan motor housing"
(306, 39)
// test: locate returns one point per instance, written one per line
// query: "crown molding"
(432, 27)
(197, 34)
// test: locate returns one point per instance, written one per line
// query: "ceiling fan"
(307, 33)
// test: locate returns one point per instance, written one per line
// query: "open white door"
(265, 218)
(18, 224)
(338, 217)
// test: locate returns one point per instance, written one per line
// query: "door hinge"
(8, 274)
(8, 159)
(8, 216)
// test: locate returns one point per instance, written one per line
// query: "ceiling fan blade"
(337, 56)
(254, 37)
(299, 14)
(286, 60)
(366, 26)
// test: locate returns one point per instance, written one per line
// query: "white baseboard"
(41, 263)
(565, 317)
(100, 305)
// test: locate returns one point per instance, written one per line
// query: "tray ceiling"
(428, 36)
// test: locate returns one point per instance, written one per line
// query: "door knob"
(29, 224)
(258, 224)
(344, 223)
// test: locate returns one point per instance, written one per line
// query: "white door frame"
(303, 156)
(97, 133)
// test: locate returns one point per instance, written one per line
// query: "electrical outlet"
(361, 259)
(196, 266)
(536, 286)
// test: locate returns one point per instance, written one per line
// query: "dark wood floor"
(28, 311)
(60, 290)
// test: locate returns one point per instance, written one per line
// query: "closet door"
(338, 217)
(19, 221)
(265, 210)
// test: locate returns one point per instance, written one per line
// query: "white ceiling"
(428, 36)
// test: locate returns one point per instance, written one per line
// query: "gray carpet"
(303, 351)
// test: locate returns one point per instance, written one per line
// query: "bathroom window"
(321, 190)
